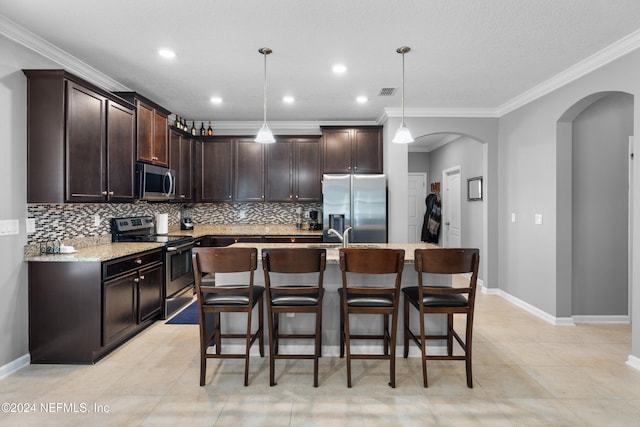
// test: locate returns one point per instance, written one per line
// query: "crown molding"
(67, 61)
(599, 59)
(437, 112)
(287, 127)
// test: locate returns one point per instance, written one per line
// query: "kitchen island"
(330, 305)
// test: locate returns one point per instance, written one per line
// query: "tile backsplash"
(74, 220)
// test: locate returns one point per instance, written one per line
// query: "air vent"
(387, 91)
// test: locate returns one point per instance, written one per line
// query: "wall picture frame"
(474, 188)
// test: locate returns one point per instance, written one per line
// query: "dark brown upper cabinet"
(248, 171)
(213, 170)
(353, 149)
(152, 129)
(180, 153)
(293, 170)
(80, 141)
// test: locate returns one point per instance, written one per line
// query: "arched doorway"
(593, 208)
(435, 153)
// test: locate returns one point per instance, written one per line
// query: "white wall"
(600, 207)
(14, 337)
(528, 166)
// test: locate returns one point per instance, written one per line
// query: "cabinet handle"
(138, 261)
(104, 193)
(141, 277)
(136, 280)
(111, 193)
(290, 196)
(182, 196)
(355, 167)
(348, 167)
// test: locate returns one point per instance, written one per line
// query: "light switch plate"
(96, 220)
(537, 219)
(513, 217)
(9, 227)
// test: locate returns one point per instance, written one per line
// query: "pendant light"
(403, 135)
(264, 134)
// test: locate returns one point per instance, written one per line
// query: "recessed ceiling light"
(167, 53)
(362, 99)
(288, 99)
(339, 68)
(216, 100)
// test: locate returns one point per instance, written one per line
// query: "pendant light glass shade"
(403, 135)
(265, 135)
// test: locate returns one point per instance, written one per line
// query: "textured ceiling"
(465, 54)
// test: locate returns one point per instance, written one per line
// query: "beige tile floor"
(526, 373)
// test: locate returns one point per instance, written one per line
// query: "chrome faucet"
(344, 237)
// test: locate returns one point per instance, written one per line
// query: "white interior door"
(451, 208)
(417, 193)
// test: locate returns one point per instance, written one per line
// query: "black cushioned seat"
(368, 300)
(241, 298)
(436, 300)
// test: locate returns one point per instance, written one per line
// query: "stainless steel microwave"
(155, 182)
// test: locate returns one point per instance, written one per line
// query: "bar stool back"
(287, 298)
(367, 298)
(229, 298)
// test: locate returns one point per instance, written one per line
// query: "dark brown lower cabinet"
(226, 240)
(80, 311)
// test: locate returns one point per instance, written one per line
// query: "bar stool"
(287, 298)
(229, 298)
(440, 299)
(367, 298)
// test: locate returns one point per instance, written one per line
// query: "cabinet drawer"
(120, 266)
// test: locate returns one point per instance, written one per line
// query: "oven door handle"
(179, 248)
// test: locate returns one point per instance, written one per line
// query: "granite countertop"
(200, 230)
(100, 248)
(97, 253)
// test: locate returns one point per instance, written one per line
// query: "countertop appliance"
(186, 218)
(358, 201)
(315, 220)
(178, 286)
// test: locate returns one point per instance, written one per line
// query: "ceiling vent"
(387, 91)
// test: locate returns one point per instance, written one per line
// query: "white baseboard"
(15, 365)
(558, 321)
(633, 362)
(623, 319)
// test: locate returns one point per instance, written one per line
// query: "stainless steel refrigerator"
(357, 201)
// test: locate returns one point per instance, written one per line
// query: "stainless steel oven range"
(178, 286)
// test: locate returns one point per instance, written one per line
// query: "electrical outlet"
(291, 315)
(96, 220)
(30, 225)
